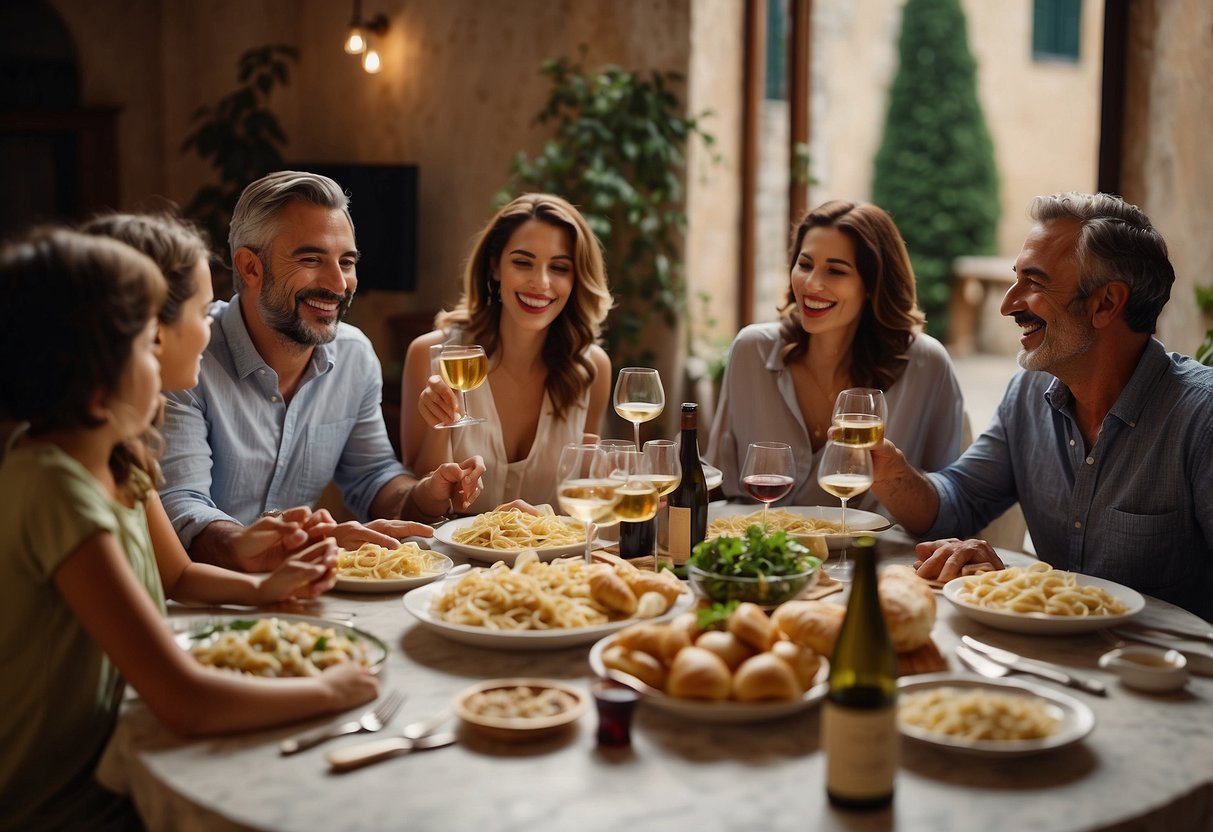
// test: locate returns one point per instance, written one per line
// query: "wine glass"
(665, 472)
(463, 368)
(639, 396)
(768, 474)
(586, 490)
(844, 471)
(859, 416)
(637, 494)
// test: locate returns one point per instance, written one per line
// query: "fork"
(370, 722)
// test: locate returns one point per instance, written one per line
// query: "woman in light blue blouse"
(850, 318)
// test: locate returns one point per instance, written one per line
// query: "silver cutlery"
(1197, 635)
(424, 727)
(1035, 668)
(371, 721)
(1200, 662)
(980, 664)
(357, 756)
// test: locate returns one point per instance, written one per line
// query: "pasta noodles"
(542, 596)
(1038, 588)
(978, 714)
(408, 560)
(515, 529)
(273, 647)
(796, 524)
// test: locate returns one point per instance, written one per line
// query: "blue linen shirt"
(1136, 508)
(234, 448)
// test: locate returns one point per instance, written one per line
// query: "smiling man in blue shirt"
(1104, 438)
(289, 396)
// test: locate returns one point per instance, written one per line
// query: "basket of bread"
(735, 663)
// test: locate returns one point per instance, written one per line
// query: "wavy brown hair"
(579, 324)
(83, 301)
(890, 318)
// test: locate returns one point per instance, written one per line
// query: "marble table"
(1147, 765)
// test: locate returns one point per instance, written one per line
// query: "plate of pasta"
(989, 717)
(372, 568)
(804, 522)
(1040, 600)
(502, 535)
(276, 645)
(536, 605)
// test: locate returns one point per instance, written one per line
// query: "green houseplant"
(935, 171)
(618, 154)
(239, 136)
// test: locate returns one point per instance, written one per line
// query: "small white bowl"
(1147, 668)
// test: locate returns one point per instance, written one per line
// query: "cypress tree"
(935, 171)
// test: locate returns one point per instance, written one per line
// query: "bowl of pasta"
(278, 646)
(372, 568)
(520, 709)
(504, 534)
(1038, 599)
(817, 527)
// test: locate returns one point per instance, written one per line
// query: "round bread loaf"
(729, 647)
(696, 673)
(811, 624)
(641, 665)
(804, 662)
(750, 624)
(765, 677)
(908, 605)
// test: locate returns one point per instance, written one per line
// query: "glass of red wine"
(768, 474)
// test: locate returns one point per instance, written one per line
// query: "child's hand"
(305, 574)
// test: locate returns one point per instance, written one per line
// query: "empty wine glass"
(844, 471)
(586, 490)
(639, 396)
(859, 416)
(463, 368)
(665, 472)
(768, 474)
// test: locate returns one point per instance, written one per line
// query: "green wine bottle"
(689, 501)
(859, 720)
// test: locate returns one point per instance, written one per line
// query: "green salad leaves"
(757, 555)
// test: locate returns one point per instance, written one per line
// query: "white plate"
(198, 629)
(1038, 623)
(856, 520)
(348, 584)
(446, 531)
(418, 603)
(1076, 718)
(723, 712)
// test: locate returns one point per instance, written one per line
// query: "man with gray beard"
(289, 397)
(1104, 438)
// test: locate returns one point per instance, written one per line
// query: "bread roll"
(696, 673)
(663, 583)
(612, 591)
(750, 624)
(645, 637)
(765, 677)
(651, 605)
(641, 665)
(673, 639)
(688, 623)
(811, 624)
(729, 647)
(803, 661)
(908, 605)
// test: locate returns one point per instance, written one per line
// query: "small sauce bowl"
(1147, 668)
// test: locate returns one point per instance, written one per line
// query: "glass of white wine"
(639, 396)
(586, 490)
(637, 494)
(464, 368)
(859, 416)
(768, 474)
(844, 471)
(665, 472)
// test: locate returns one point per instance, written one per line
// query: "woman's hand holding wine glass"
(463, 368)
(639, 396)
(844, 471)
(768, 474)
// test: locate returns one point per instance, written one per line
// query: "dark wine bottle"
(689, 501)
(636, 540)
(859, 719)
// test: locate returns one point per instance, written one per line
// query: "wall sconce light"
(358, 38)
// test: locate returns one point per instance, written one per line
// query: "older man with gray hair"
(289, 397)
(1104, 438)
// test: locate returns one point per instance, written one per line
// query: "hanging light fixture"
(355, 40)
(358, 38)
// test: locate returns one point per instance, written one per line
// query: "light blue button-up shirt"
(1136, 508)
(234, 448)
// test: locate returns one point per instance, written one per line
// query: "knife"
(1198, 635)
(357, 756)
(1016, 662)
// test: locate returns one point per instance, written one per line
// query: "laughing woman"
(534, 296)
(850, 319)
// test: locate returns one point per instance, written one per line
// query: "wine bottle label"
(680, 533)
(861, 750)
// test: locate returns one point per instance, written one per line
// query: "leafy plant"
(618, 154)
(240, 137)
(935, 171)
(756, 555)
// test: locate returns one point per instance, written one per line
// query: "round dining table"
(1147, 764)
